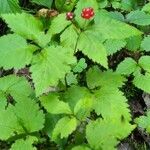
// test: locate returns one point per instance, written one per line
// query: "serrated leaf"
(142, 82)
(24, 117)
(144, 62)
(89, 43)
(138, 17)
(104, 134)
(64, 127)
(17, 87)
(113, 46)
(69, 37)
(144, 121)
(96, 78)
(24, 144)
(111, 101)
(145, 45)
(133, 43)
(83, 107)
(58, 24)
(44, 67)
(113, 29)
(127, 66)
(29, 27)
(74, 94)
(9, 6)
(53, 105)
(46, 3)
(13, 45)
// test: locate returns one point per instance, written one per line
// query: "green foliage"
(9, 6)
(77, 71)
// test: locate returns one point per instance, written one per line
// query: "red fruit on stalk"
(69, 15)
(87, 13)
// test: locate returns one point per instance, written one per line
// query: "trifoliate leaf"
(113, 29)
(111, 101)
(64, 128)
(81, 147)
(142, 82)
(138, 17)
(44, 67)
(9, 6)
(127, 66)
(58, 24)
(96, 78)
(24, 144)
(29, 27)
(81, 65)
(144, 62)
(46, 3)
(112, 46)
(69, 37)
(133, 43)
(24, 117)
(145, 45)
(17, 87)
(71, 79)
(144, 121)
(90, 44)
(104, 134)
(13, 45)
(53, 105)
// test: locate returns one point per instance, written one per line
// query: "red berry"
(69, 15)
(87, 13)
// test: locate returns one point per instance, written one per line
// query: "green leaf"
(46, 3)
(146, 8)
(53, 105)
(144, 62)
(44, 67)
(111, 101)
(89, 43)
(74, 94)
(17, 87)
(24, 117)
(24, 144)
(9, 6)
(113, 29)
(142, 82)
(69, 37)
(117, 15)
(127, 66)
(83, 107)
(64, 128)
(27, 26)
(144, 121)
(81, 65)
(113, 46)
(71, 78)
(145, 45)
(58, 24)
(96, 78)
(139, 18)
(84, 4)
(133, 43)
(81, 147)
(16, 50)
(104, 134)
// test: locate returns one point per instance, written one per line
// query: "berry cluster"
(69, 15)
(87, 13)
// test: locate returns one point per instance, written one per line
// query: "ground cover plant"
(75, 74)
